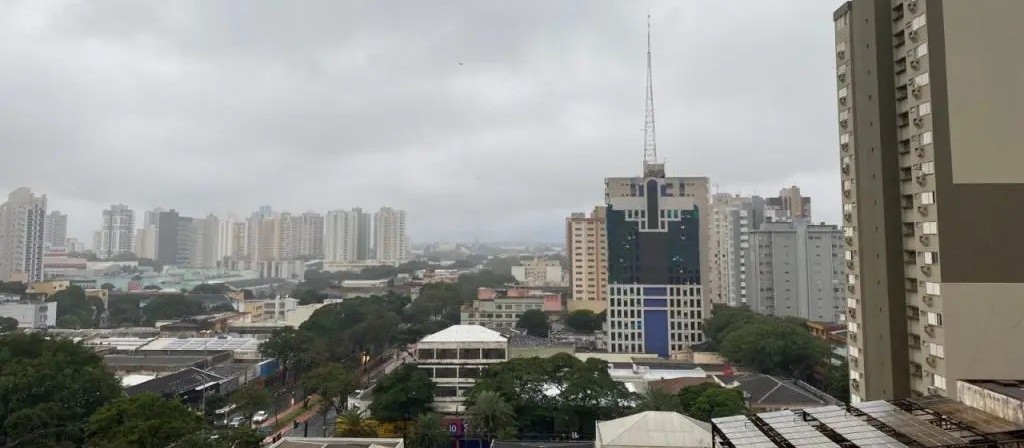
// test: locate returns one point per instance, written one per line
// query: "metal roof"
(465, 333)
(907, 424)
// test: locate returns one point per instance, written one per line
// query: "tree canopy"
(491, 416)
(333, 382)
(428, 432)
(8, 324)
(556, 394)
(535, 322)
(583, 321)
(211, 288)
(402, 395)
(74, 302)
(145, 421)
(50, 388)
(251, 398)
(171, 306)
(767, 344)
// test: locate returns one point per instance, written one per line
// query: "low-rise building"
(539, 273)
(653, 429)
(29, 313)
(454, 358)
(767, 393)
(500, 309)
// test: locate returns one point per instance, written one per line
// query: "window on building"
(926, 138)
(921, 50)
(929, 227)
(934, 319)
(927, 197)
(924, 109)
(921, 80)
(918, 22)
(928, 168)
(931, 287)
(936, 350)
(931, 258)
(939, 381)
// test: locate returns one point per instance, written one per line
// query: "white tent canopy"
(653, 429)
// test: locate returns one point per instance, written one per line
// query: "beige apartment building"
(929, 118)
(586, 245)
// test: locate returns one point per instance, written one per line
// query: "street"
(316, 426)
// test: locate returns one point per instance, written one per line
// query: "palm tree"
(428, 433)
(492, 416)
(656, 400)
(352, 424)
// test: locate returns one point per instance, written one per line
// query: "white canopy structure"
(653, 429)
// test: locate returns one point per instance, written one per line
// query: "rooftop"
(768, 390)
(197, 344)
(654, 429)
(175, 383)
(465, 333)
(1010, 388)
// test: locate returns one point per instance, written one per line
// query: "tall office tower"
(152, 217)
(175, 239)
(146, 241)
(586, 246)
(22, 219)
(929, 121)
(55, 230)
(206, 240)
(341, 235)
(264, 211)
(117, 235)
(733, 218)
(796, 269)
(657, 254)
(364, 239)
(307, 235)
(389, 242)
(791, 203)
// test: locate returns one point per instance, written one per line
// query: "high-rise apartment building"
(117, 235)
(390, 242)
(364, 239)
(175, 238)
(796, 269)
(929, 121)
(341, 235)
(55, 230)
(269, 236)
(792, 203)
(733, 217)
(146, 241)
(22, 219)
(307, 235)
(231, 237)
(586, 246)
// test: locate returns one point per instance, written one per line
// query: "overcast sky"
(498, 115)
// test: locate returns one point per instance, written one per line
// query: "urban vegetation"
(584, 321)
(535, 323)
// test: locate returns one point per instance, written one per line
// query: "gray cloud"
(503, 116)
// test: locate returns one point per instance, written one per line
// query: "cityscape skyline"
(519, 92)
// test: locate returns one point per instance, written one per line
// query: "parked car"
(236, 421)
(259, 417)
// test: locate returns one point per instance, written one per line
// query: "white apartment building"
(307, 235)
(341, 236)
(454, 358)
(22, 219)
(586, 245)
(390, 242)
(538, 272)
(117, 235)
(55, 230)
(145, 241)
(733, 217)
(797, 269)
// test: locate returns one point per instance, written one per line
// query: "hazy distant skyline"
(503, 115)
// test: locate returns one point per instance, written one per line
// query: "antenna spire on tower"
(651, 166)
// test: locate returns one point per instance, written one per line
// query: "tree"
(775, 347)
(717, 402)
(49, 389)
(583, 321)
(725, 319)
(172, 306)
(211, 288)
(491, 416)
(250, 399)
(69, 322)
(123, 310)
(282, 344)
(837, 381)
(108, 286)
(428, 433)
(332, 382)
(402, 394)
(242, 437)
(308, 296)
(688, 395)
(535, 322)
(658, 400)
(351, 423)
(74, 302)
(8, 324)
(13, 288)
(145, 420)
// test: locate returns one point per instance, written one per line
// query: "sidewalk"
(287, 426)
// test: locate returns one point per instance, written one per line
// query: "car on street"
(236, 421)
(259, 417)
